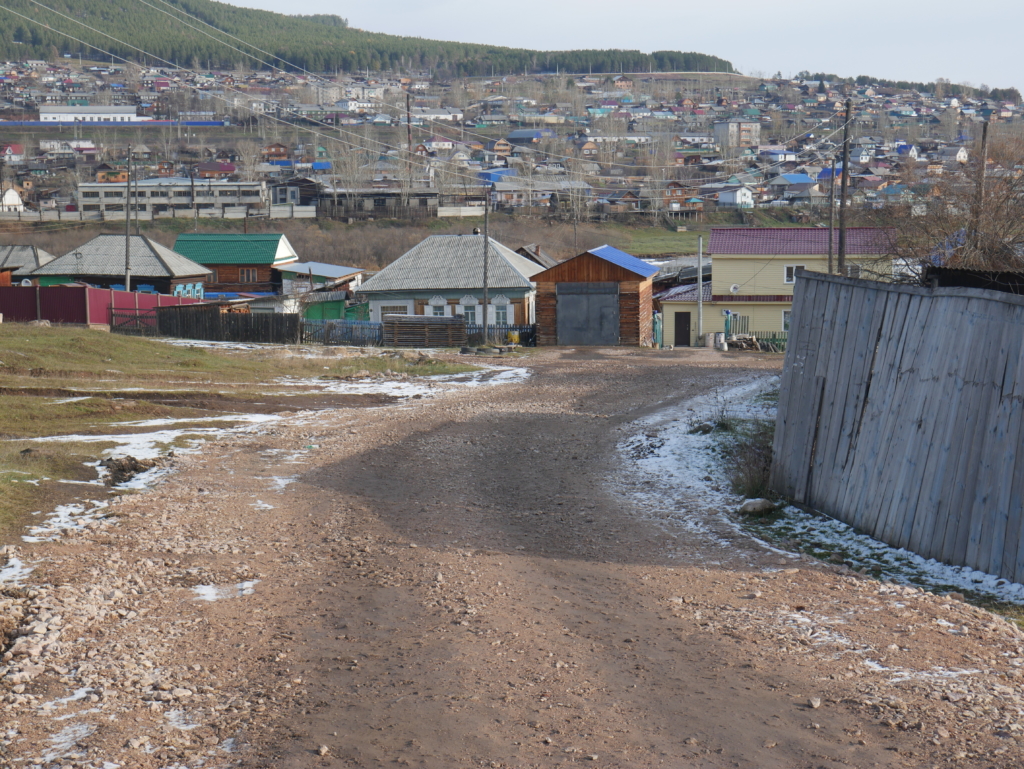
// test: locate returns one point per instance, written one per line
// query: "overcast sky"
(968, 43)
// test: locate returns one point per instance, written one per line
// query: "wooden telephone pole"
(842, 188)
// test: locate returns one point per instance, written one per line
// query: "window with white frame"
(437, 311)
(469, 313)
(791, 272)
(853, 270)
(786, 315)
(501, 313)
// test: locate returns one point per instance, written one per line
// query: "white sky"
(920, 41)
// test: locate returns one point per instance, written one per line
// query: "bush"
(750, 458)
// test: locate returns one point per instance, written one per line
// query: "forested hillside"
(318, 43)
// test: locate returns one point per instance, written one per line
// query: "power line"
(386, 147)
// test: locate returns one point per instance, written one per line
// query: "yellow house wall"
(759, 275)
(764, 316)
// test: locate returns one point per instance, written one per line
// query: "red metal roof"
(772, 241)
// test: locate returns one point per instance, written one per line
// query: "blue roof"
(624, 260)
(798, 178)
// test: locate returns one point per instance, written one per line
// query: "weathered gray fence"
(210, 324)
(902, 413)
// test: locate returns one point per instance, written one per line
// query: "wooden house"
(601, 297)
(17, 261)
(101, 262)
(246, 263)
(443, 276)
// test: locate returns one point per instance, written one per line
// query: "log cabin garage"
(602, 297)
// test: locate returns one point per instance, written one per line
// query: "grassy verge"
(66, 381)
(28, 482)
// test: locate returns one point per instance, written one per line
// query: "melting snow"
(152, 444)
(73, 516)
(218, 592)
(14, 572)
(63, 742)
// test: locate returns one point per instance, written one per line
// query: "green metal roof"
(264, 248)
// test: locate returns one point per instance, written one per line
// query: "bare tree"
(958, 227)
(248, 154)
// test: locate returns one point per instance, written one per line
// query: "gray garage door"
(588, 313)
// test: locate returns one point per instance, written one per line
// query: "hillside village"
(238, 144)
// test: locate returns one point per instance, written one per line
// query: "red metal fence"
(76, 304)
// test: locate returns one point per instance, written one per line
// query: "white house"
(11, 202)
(67, 114)
(736, 197)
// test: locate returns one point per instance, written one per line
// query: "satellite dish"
(734, 288)
(26, 282)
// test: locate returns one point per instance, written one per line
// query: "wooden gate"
(588, 313)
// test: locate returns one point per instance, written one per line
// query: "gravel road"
(471, 580)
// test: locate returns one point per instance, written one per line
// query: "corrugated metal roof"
(773, 241)
(319, 269)
(453, 262)
(104, 255)
(226, 248)
(684, 293)
(23, 258)
(624, 260)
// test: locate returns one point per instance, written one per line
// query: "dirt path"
(462, 582)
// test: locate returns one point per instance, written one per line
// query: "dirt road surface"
(470, 580)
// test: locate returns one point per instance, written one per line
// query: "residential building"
(17, 261)
(443, 276)
(70, 114)
(101, 262)
(755, 269)
(239, 263)
(737, 133)
(164, 194)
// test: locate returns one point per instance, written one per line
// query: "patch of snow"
(892, 564)
(151, 445)
(259, 504)
(935, 674)
(66, 517)
(79, 694)
(280, 483)
(667, 464)
(14, 572)
(177, 719)
(62, 401)
(218, 592)
(62, 744)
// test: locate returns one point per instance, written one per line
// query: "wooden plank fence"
(357, 333)
(901, 413)
(212, 325)
(423, 331)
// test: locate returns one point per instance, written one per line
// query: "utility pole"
(831, 215)
(842, 188)
(979, 201)
(700, 288)
(487, 254)
(135, 177)
(128, 225)
(408, 120)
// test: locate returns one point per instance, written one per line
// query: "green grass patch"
(27, 480)
(27, 416)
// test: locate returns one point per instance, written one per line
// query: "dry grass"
(41, 368)
(27, 481)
